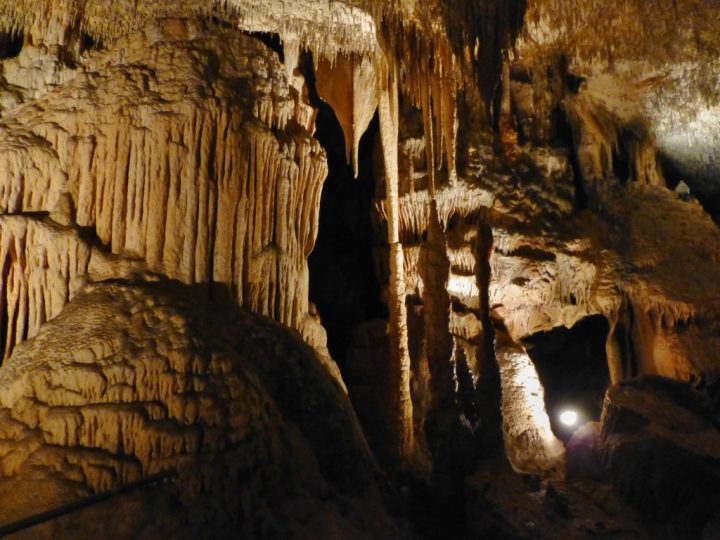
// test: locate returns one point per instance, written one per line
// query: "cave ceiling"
(166, 170)
(653, 64)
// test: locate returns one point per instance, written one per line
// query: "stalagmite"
(435, 271)
(135, 379)
(401, 406)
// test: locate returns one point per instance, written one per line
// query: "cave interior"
(360, 269)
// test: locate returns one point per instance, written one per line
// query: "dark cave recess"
(572, 366)
(343, 283)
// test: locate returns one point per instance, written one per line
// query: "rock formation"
(164, 173)
(163, 382)
(196, 113)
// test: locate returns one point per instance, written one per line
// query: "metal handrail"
(54, 513)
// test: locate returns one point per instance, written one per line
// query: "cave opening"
(573, 369)
(343, 283)
(671, 170)
(11, 43)
(621, 158)
(272, 41)
(704, 186)
(89, 43)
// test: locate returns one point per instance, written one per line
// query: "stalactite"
(43, 265)
(334, 32)
(450, 128)
(462, 199)
(436, 84)
(365, 102)
(291, 54)
(349, 86)
(334, 83)
(633, 30)
(426, 99)
(600, 135)
(508, 134)
(215, 186)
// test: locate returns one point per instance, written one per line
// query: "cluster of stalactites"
(322, 26)
(58, 20)
(349, 84)
(665, 30)
(349, 51)
(600, 136)
(345, 38)
(207, 192)
(42, 265)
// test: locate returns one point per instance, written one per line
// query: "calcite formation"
(172, 119)
(161, 184)
(164, 381)
(532, 446)
(44, 266)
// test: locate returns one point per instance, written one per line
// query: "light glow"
(530, 443)
(569, 418)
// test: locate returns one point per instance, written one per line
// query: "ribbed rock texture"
(185, 148)
(154, 380)
(43, 267)
(159, 173)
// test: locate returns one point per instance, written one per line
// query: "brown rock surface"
(660, 444)
(235, 403)
(159, 170)
(185, 130)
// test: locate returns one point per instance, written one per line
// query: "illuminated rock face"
(179, 154)
(155, 156)
(530, 442)
(44, 265)
(186, 150)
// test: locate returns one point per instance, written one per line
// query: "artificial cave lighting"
(569, 418)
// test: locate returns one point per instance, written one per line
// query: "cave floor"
(504, 505)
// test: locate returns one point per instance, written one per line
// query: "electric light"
(569, 417)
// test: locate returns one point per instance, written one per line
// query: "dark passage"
(10, 44)
(704, 183)
(343, 284)
(572, 366)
